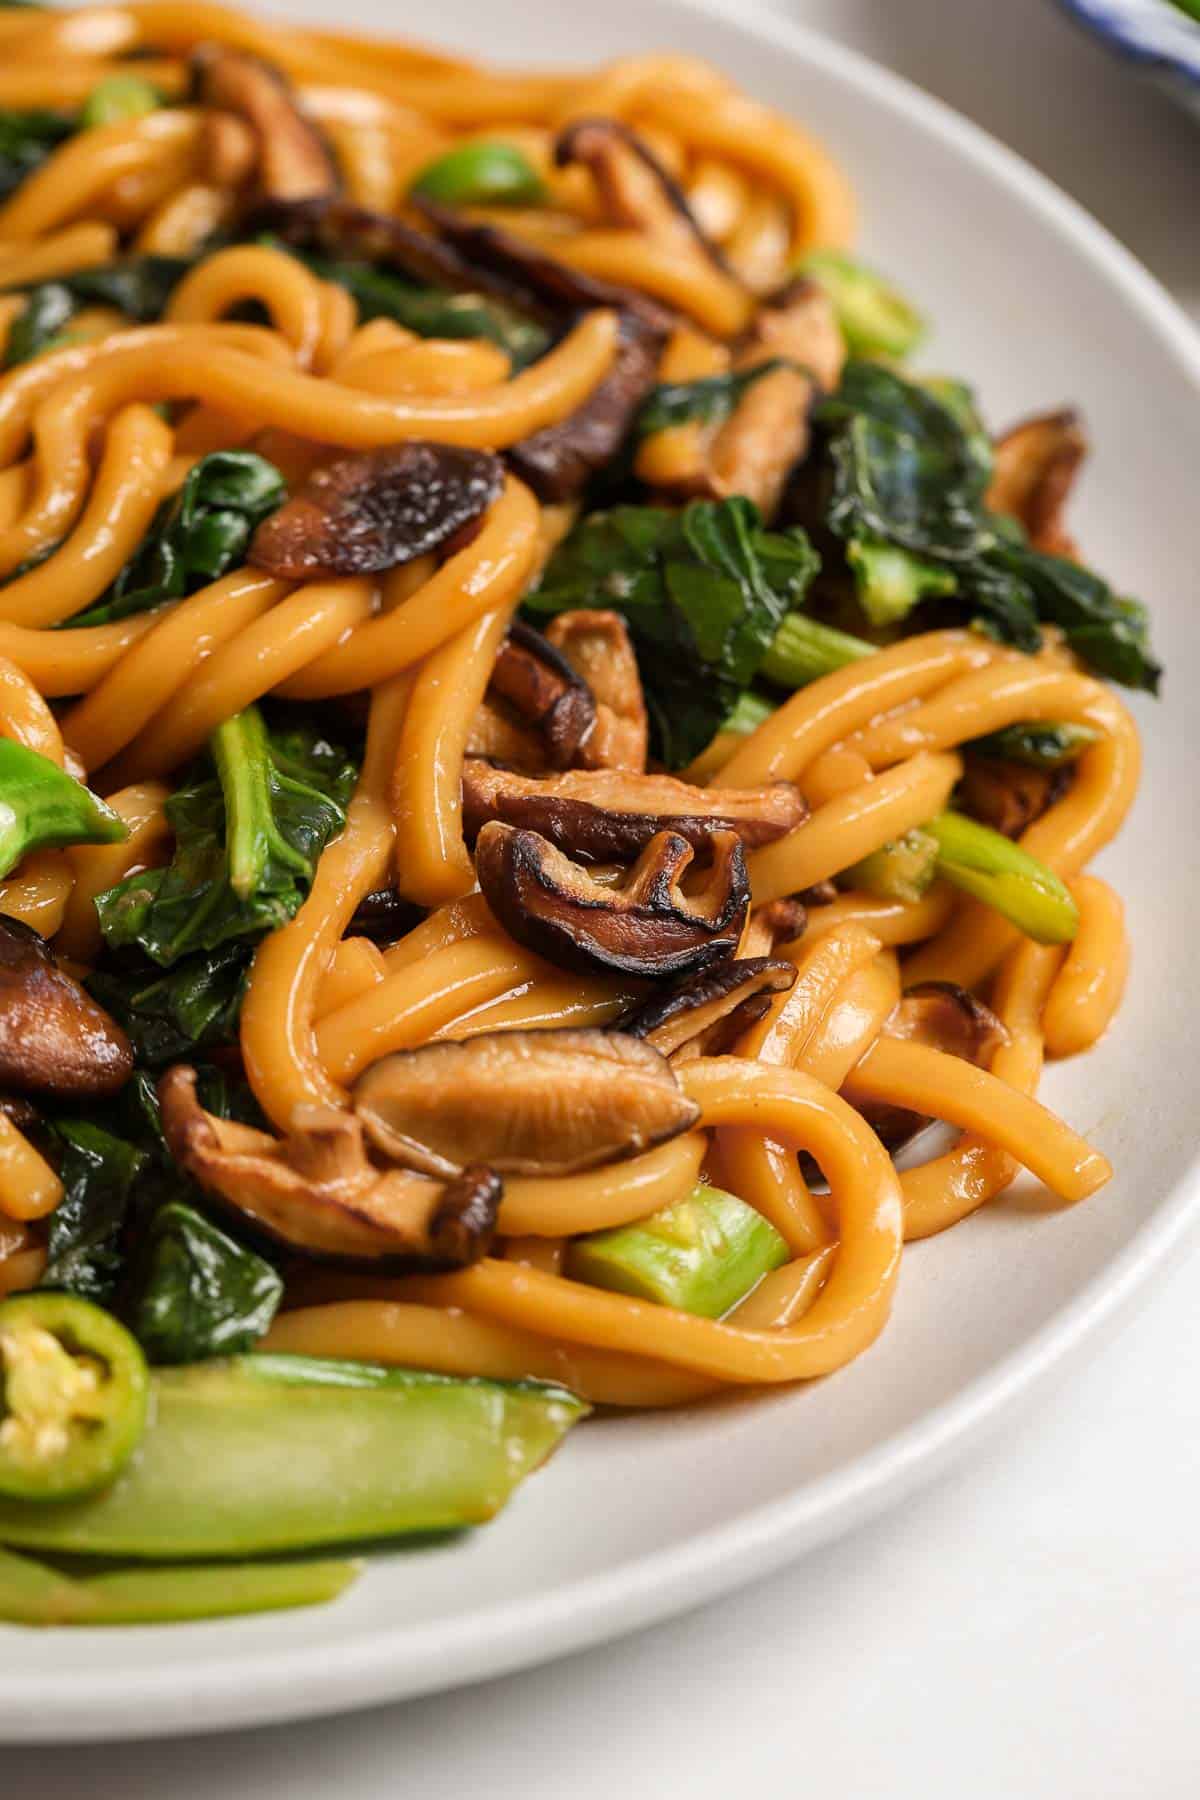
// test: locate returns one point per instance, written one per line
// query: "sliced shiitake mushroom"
(778, 922)
(294, 161)
(635, 188)
(945, 1017)
(598, 647)
(317, 1190)
(54, 1038)
(523, 1102)
(609, 815)
(648, 927)
(384, 915)
(361, 514)
(705, 1015)
(538, 682)
(561, 459)
(1034, 468)
(1008, 796)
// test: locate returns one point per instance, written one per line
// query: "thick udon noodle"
(85, 459)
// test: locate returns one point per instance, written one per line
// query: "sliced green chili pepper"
(41, 806)
(120, 97)
(277, 1453)
(702, 1255)
(1002, 875)
(876, 320)
(31, 1593)
(481, 175)
(73, 1391)
(1037, 746)
(901, 870)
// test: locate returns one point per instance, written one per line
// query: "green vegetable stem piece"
(41, 806)
(246, 844)
(1037, 746)
(751, 711)
(902, 870)
(73, 1389)
(492, 174)
(200, 1293)
(995, 870)
(890, 581)
(275, 1453)
(119, 98)
(875, 318)
(32, 1593)
(803, 650)
(701, 1256)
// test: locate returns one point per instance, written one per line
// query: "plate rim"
(267, 1687)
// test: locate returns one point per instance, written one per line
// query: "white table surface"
(1029, 1629)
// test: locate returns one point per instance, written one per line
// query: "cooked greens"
(703, 592)
(248, 833)
(197, 536)
(199, 1292)
(27, 138)
(98, 1172)
(908, 470)
(875, 318)
(706, 401)
(170, 1016)
(138, 286)
(41, 805)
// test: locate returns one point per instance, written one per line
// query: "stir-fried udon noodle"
(546, 744)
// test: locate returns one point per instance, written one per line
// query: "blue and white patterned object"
(1160, 36)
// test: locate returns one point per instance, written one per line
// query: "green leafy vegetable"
(42, 806)
(138, 286)
(200, 1293)
(48, 311)
(909, 469)
(875, 318)
(120, 97)
(27, 139)
(1037, 746)
(170, 1017)
(98, 1172)
(197, 536)
(433, 311)
(707, 401)
(703, 592)
(246, 842)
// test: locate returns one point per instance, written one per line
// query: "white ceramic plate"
(642, 1517)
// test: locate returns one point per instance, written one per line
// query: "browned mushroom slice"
(598, 646)
(384, 915)
(609, 815)
(945, 1017)
(779, 922)
(510, 266)
(559, 460)
(705, 1015)
(524, 1102)
(497, 735)
(54, 1038)
(799, 324)
(649, 927)
(369, 512)
(1033, 472)
(539, 683)
(318, 1191)
(768, 431)
(294, 161)
(635, 188)
(1007, 795)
